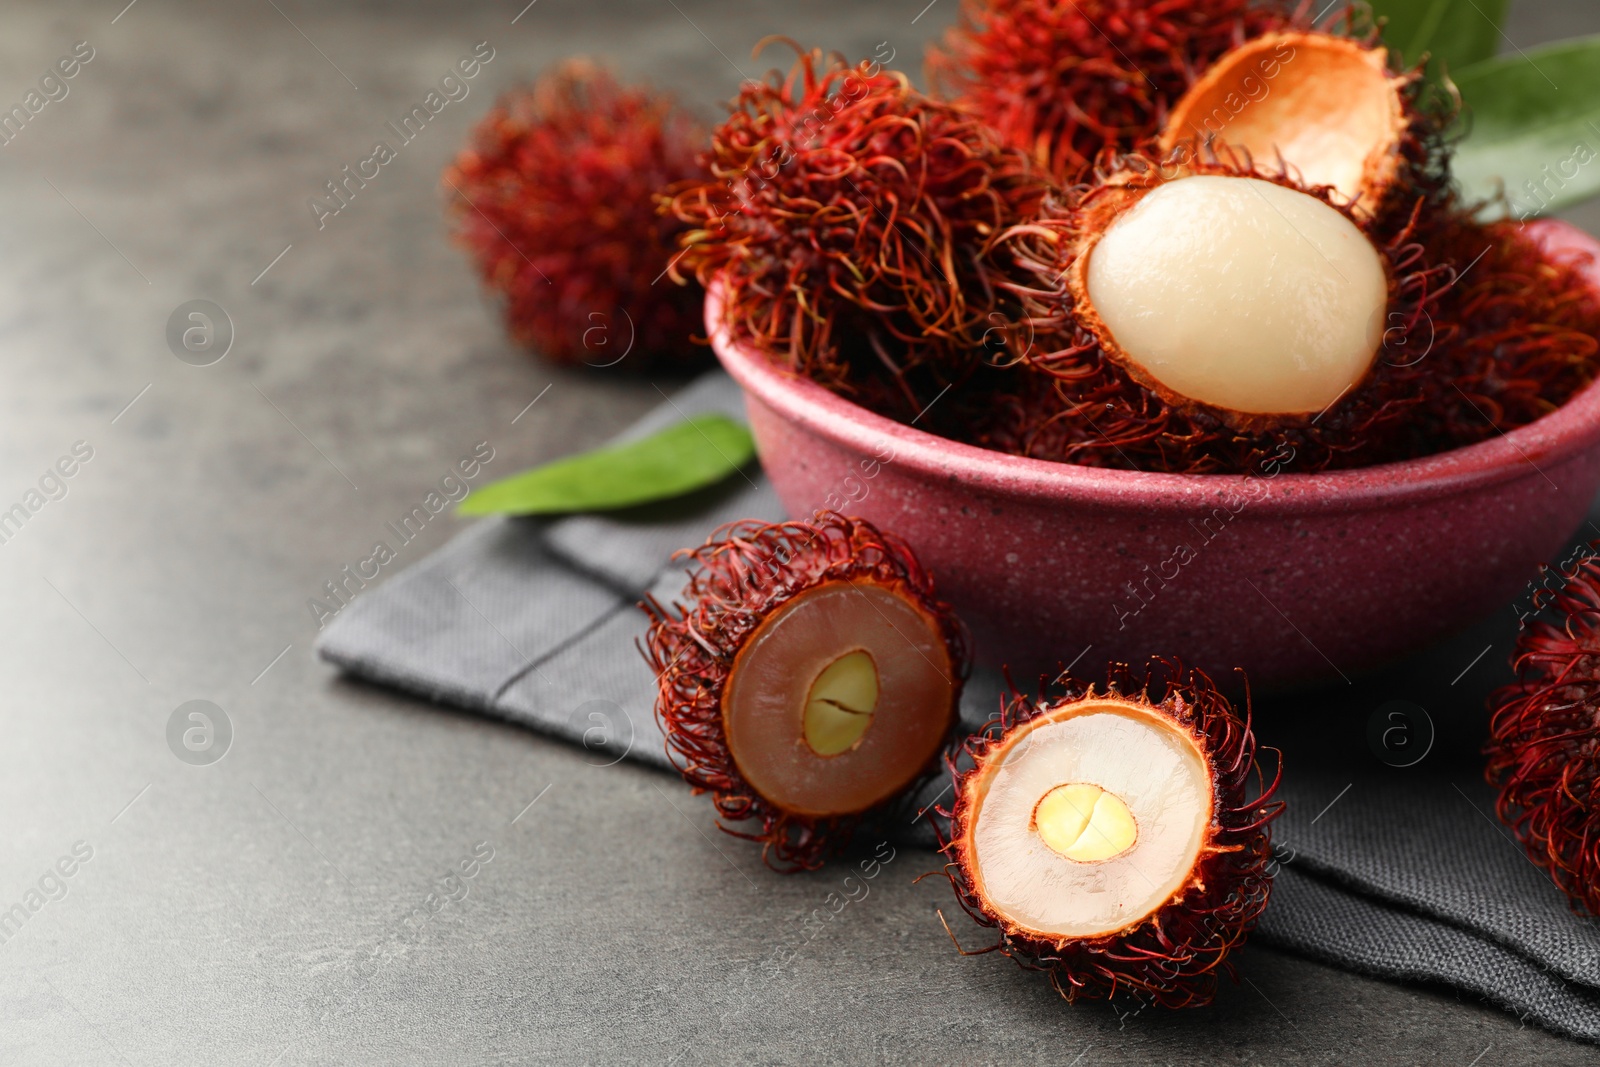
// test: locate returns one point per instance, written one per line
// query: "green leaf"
(1535, 126)
(693, 454)
(1457, 33)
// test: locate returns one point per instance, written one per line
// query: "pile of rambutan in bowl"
(1220, 363)
(1152, 326)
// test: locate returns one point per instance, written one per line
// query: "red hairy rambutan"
(1064, 80)
(850, 221)
(555, 199)
(1116, 839)
(808, 676)
(1544, 735)
(1515, 338)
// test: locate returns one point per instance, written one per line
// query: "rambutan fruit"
(1197, 315)
(850, 222)
(1116, 839)
(1516, 337)
(1330, 110)
(1064, 80)
(1544, 736)
(554, 198)
(808, 677)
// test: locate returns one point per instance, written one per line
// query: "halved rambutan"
(850, 221)
(1065, 80)
(1117, 839)
(554, 199)
(1544, 735)
(1329, 109)
(1198, 314)
(809, 676)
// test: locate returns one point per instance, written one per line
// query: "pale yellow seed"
(841, 702)
(1083, 822)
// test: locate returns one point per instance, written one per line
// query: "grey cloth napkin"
(1396, 871)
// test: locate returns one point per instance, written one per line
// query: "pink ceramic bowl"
(1297, 578)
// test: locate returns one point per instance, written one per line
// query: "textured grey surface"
(290, 904)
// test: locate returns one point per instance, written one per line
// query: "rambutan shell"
(1326, 106)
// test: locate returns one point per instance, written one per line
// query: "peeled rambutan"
(850, 221)
(1544, 735)
(808, 677)
(555, 199)
(1064, 80)
(1198, 315)
(1116, 839)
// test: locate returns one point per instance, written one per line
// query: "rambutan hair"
(1064, 80)
(850, 220)
(1544, 735)
(554, 200)
(744, 573)
(1517, 336)
(1173, 956)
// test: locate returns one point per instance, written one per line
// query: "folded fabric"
(1399, 872)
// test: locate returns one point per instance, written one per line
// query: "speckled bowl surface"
(1297, 578)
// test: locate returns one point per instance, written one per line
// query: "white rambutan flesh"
(1090, 821)
(839, 698)
(1241, 294)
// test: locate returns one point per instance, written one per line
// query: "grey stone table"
(290, 903)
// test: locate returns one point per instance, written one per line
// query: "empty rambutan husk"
(1544, 737)
(850, 221)
(554, 199)
(1064, 80)
(1329, 109)
(808, 677)
(1115, 838)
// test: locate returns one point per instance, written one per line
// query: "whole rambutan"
(1197, 316)
(808, 676)
(850, 221)
(1544, 735)
(1514, 339)
(555, 199)
(1116, 839)
(1064, 80)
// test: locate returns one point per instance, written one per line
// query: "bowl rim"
(1524, 452)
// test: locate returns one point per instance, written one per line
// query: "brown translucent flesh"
(1332, 111)
(977, 789)
(763, 706)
